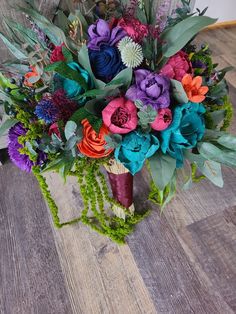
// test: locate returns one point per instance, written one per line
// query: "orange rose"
(194, 89)
(28, 75)
(93, 144)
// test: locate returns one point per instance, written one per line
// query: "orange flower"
(30, 74)
(93, 144)
(194, 89)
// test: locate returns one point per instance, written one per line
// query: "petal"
(187, 80)
(140, 75)
(197, 98)
(197, 81)
(203, 90)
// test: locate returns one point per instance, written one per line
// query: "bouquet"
(115, 85)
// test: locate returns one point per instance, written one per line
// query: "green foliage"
(67, 54)
(177, 37)
(113, 141)
(162, 168)
(15, 49)
(146, 116)
(178, 92)
(7, 125)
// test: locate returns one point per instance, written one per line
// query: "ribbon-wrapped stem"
(121, 181)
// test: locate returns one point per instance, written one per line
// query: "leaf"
(217, 117)
(113, 141)
(92, 93)
(96, 123)
(179, 92)
(67, 54)
(228, 140)
(54, 33)
(66, 71)
(212, 152)
(70, 129)
(14, 49)
(53, 165)
(178, 36)
(79, 115)
(62, 21)
(83, 59)
(123, 78)
(7, 125)
(162, 169)
(147, 115)
(71, 142)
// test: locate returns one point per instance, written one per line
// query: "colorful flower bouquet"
(120, 85)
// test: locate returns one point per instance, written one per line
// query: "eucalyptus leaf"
(176, 37)
(227, 140)
(70, 129)
(162, 169)
(15, 49)
(72, 141)
(179, 92)
(7, 125)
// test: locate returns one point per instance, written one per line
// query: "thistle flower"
(131, 52)
(46, 110)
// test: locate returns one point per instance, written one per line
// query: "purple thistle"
(22, 161)
(46, 110)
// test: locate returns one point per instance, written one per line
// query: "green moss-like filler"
(228, 107)
(196, 178)
(97, 211)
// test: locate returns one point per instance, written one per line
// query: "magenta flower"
(177, 66)
(151, 88)
(120, 116)
(163, 119)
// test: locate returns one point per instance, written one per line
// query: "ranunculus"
(72, 88)
(194, 89)
(57, 54)
(187, 128)
(120, 116)
(54, 129)
(134, 28)
(106, 63)
(177, 66)
(100, 34)
(163, 119)
(135, 148)
(151, 88)
(93, 144)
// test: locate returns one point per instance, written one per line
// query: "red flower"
(54, 129)
(57, 54)
(134, 28)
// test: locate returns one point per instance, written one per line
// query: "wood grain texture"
(212, 242)
(101, 277)
(31, 279)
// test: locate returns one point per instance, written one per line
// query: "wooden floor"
(180, 263)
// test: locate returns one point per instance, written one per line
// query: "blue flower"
(46, 110)
(187, 128)
(72, 88)
(135, 149)
(106, 63)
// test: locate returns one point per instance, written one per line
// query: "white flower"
(131, 52)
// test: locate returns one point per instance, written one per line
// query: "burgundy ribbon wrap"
(122, 188)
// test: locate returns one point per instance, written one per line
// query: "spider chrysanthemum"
(131, 52)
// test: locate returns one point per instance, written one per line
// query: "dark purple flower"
(46, 110)
(100, 33)
(151, 88)
(22, 161)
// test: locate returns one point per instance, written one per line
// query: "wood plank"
(101, 277)
(212, 243)
(31, 279)
(172, 281)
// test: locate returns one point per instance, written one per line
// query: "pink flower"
(57, 54)
(120, 116)
(163, 119)
(134, 28)
(54, 129)
(177, 66)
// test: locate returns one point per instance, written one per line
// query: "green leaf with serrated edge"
(67, 54)
(19, 53)
(70, 129)
(228, 141)
(178, 92)
(79, 115)
(212, 152)
(7, 125)
(66, 71)
(209, 168)
(54, 33)
(95, 123)
(162, 169)
(179, 35)
(83, 59)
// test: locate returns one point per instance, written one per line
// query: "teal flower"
(72, 88)
(187, 128)
(135, 149)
